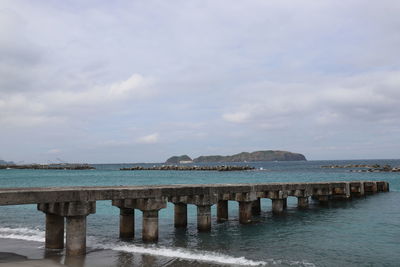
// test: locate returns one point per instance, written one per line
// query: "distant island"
(179, 160)
(266, 155)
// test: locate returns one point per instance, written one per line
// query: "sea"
(360, 232)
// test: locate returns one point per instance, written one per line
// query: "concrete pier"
(204, 218)
(323, 200)
(54, 231)
(302, 202)
(285, 203)
(74, 204)
(256, 207)
(180, 215)
(150, 225)
(127, 223)
(222, 211)
(150, 208)
(245, 211)
(75, 213)
(370, 187)
(357, 189)
(277, 205)
(76, 235)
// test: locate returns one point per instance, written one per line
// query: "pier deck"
(71, 205)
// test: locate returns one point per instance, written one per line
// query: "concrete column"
(204, 218)
(127, 223)
(76, 235)
(386, 187)
(245, 211)
(285, 203)
(150, 225)
(277, 205)
(222, 210)
(54, 231)
(256, 208)
(73, 261)
(180, 216)
(374, 187)
(302, 202)
(361, 189)
(323, 200)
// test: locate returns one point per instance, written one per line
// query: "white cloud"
(54, 151)
(236, 117)
(367, 97)
(135, 86)
(35, 108)
(149, 139)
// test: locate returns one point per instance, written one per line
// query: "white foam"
(186, 254)
(22, 234)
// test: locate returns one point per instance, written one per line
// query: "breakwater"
(66, 208)
(364, 167)
(49, 167)
(189, 168)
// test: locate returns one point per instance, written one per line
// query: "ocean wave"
(22, 233)
(185, 254)
(38, 235)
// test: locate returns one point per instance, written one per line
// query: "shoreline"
(24, 253)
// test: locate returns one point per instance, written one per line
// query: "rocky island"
(179, 160)
(266, 155)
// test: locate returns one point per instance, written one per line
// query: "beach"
(33, 254)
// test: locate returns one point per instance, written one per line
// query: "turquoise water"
(361, 232)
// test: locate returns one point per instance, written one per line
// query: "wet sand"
(22, 253)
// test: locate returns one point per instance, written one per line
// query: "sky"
(140, 81)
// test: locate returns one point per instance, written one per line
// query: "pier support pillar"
(256, 207)
(180, 214)
(127, 223)
(222, 211)
(382, 186)
(285, 203)
(150, 226)
(54, 231)
(245, 211)
(75, 213)
(302, 202)
(204, 218)
(357, 189)
(149, 207)
(323, 200)
(370, 187)
(277, 206)
(76, 235)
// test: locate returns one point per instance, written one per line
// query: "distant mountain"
(179, 159)
(267, 155)
(3, 162)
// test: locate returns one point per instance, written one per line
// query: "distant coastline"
(3, 162)
(265, 155)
